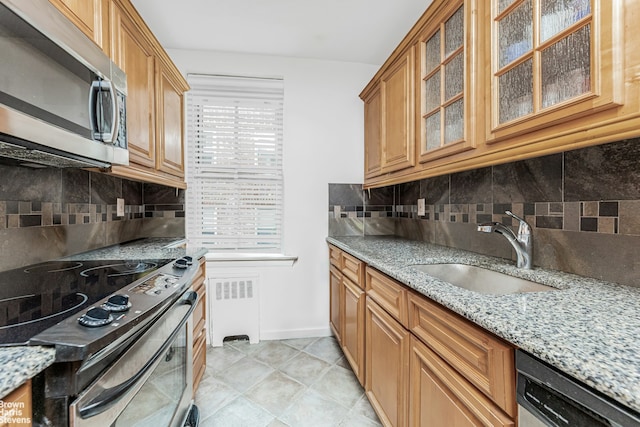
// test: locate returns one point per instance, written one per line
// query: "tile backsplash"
(48, 213)
(583, 206)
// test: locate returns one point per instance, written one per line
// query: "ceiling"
(364, 31)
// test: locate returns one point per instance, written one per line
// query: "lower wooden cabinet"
(387, 365)
(422, 364)
(199, 326)
(335, 291)
(440, 396)
(353, 327)
(346, 307)
(19, 400)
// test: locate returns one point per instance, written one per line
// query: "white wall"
(323, 143)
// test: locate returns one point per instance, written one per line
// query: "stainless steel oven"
(122, 331)
(150, 384)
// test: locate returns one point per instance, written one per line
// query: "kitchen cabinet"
(17, 406)
(347, 301)
(440, 396)
(506, 80)
(155, 119)
(90, 16)
(447, 98)
(486, 362)
(373, 133)
(389, 118)
(199, 320)
(335, 297)
(132, 52)
(387, 365)
(424, 364)
(557, 69)
(169, 119)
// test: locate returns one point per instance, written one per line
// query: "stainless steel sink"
(480, 279)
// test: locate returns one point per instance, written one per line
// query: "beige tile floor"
(297, 383)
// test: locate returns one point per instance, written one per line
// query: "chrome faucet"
(522, 243)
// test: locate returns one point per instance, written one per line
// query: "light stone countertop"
(588, 328)
(19, 363)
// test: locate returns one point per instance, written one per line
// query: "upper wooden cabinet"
(132, 52)
(503, 80)
(373, 133)
(557, 67)
(155, 119)
(169, 115)
(91, 16)
(155, 88)
(447, 96)
(389, 117)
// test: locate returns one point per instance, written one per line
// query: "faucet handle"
(524, 227)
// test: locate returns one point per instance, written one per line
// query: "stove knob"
(181, 263)
(96, 317)
(117, 303)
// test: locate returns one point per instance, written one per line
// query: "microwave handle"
(97, 87)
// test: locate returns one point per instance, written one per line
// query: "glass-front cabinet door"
(447, 51)
(551, 61)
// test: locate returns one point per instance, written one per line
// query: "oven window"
(157, 401)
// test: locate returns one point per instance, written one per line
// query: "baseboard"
(296, 333)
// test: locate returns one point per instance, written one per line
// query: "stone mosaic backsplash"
(592, 190)
(51, 197)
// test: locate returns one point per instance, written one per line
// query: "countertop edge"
(20, 363)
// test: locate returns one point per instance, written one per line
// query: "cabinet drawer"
(483, 359)
(335, 256)
(388, 293)
(21, 398)
(353, 268)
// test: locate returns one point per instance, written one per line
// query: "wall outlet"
(421, 207)
(120, 207)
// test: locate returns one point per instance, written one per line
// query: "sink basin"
(480, 279)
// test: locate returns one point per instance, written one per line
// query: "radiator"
(234, 309)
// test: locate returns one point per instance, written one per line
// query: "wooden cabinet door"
(439, 396)
(387, 365)
(397, 115)
(170, 121)
(21, 400)
(558, 62)
(447, 98)
(335, 290)
(353, 327)
(90, 16)
(373, 133)
(484, 360)
(134, 54)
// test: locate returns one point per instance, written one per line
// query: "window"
(234, 163)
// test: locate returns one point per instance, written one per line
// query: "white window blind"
(234, 163)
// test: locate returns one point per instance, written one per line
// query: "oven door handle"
(105, 399)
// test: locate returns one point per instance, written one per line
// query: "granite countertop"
(149, 248)
(587, 328)
(19, 363)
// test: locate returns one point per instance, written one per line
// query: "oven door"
(151, 384)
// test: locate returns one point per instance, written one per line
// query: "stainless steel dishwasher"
(549, 397)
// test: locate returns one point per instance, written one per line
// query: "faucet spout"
(522, 242)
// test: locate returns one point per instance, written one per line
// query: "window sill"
(249, 258)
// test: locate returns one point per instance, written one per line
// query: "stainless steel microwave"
(62, 100)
